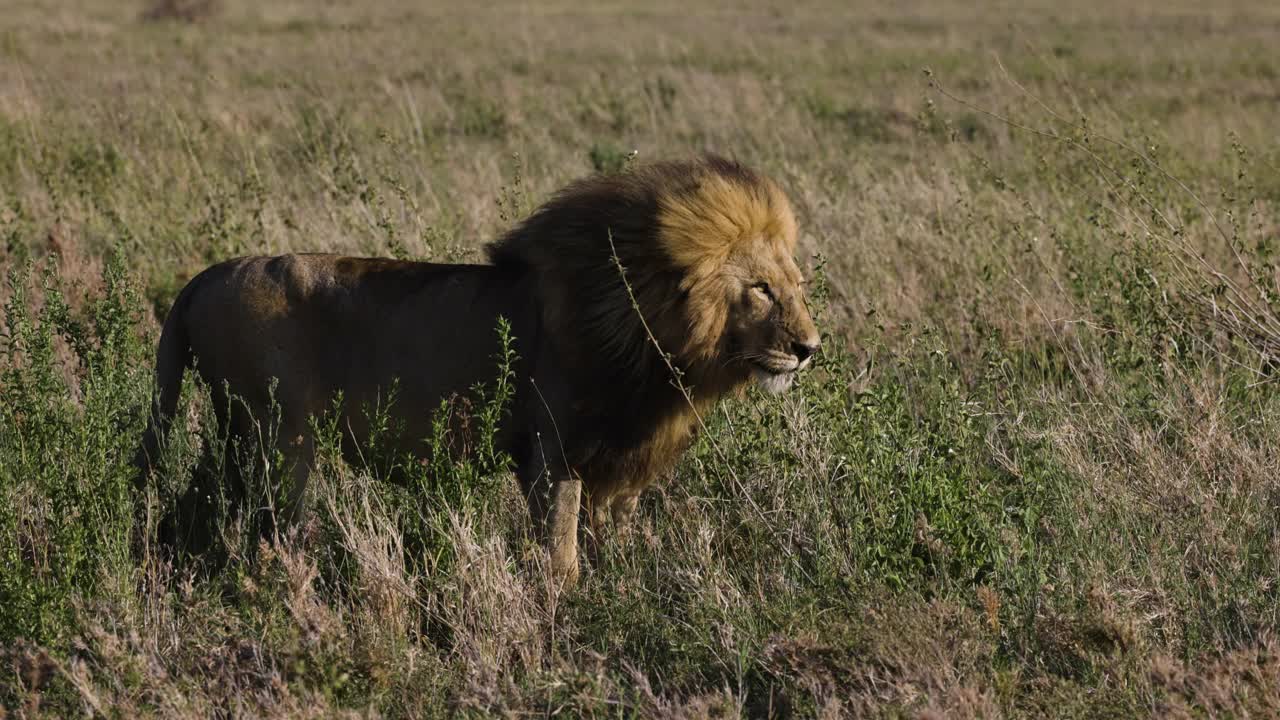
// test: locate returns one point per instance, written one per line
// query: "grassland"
(1035, 473)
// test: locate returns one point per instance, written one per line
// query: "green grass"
(1034, 471)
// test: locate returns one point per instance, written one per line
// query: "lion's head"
(733, 234)
(706, 251)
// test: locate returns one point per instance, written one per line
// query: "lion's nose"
(803, 350)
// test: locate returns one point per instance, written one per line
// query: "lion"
(635, 301)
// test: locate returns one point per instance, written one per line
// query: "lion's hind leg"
(241, 485)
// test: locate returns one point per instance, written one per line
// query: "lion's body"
(596, 411)
(321, 324)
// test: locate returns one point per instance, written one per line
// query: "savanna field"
(1035, 471)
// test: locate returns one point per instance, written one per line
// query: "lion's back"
(318, 324)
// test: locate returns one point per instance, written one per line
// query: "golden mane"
(673, 226)
(727, 207)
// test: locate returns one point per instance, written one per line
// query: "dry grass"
(1034, 474)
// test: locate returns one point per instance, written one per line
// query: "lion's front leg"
(609, 518)
(562, 528)
(623, 510)
(554, 495)
(611, 514)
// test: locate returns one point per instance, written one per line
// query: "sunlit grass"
(1034, 471)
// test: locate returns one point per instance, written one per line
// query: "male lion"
(706, 251)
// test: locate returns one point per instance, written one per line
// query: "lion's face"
(769, 330)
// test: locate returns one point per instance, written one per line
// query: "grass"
(1033, 473)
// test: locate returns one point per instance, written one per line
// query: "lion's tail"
(172, 359)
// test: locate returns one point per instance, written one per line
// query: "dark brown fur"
(596, 415)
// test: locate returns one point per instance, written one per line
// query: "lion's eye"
(764, 289)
